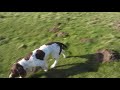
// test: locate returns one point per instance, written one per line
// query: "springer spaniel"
(38, 57)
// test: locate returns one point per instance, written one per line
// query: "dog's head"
(17, 71)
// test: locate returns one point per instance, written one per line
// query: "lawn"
(22, 32)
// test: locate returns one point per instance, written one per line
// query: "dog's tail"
(63, 46)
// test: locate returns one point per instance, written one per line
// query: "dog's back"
(57, 45)
(52, 48)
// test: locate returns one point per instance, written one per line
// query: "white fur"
(52, 49)
(10, 75)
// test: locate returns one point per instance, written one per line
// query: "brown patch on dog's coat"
(40, 54)
(28, 56)
(19, 59)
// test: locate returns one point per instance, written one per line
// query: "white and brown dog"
(38, 57)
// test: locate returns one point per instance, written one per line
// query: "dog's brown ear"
(21, 70)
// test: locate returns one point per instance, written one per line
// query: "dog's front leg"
(45, 67)
(63, 53)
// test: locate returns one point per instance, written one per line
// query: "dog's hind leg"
(64, 56)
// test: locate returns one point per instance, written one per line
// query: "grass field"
(87, 32)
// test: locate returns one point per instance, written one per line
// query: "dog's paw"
(64, 56)
(45, 70)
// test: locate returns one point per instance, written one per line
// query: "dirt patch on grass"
(55, 28)
(106, 55)
(86, 40)
(94, 21)
(115, 25)
(62, 34)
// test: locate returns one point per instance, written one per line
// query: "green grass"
(101, 29)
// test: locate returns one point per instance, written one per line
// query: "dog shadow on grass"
(76, 68)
